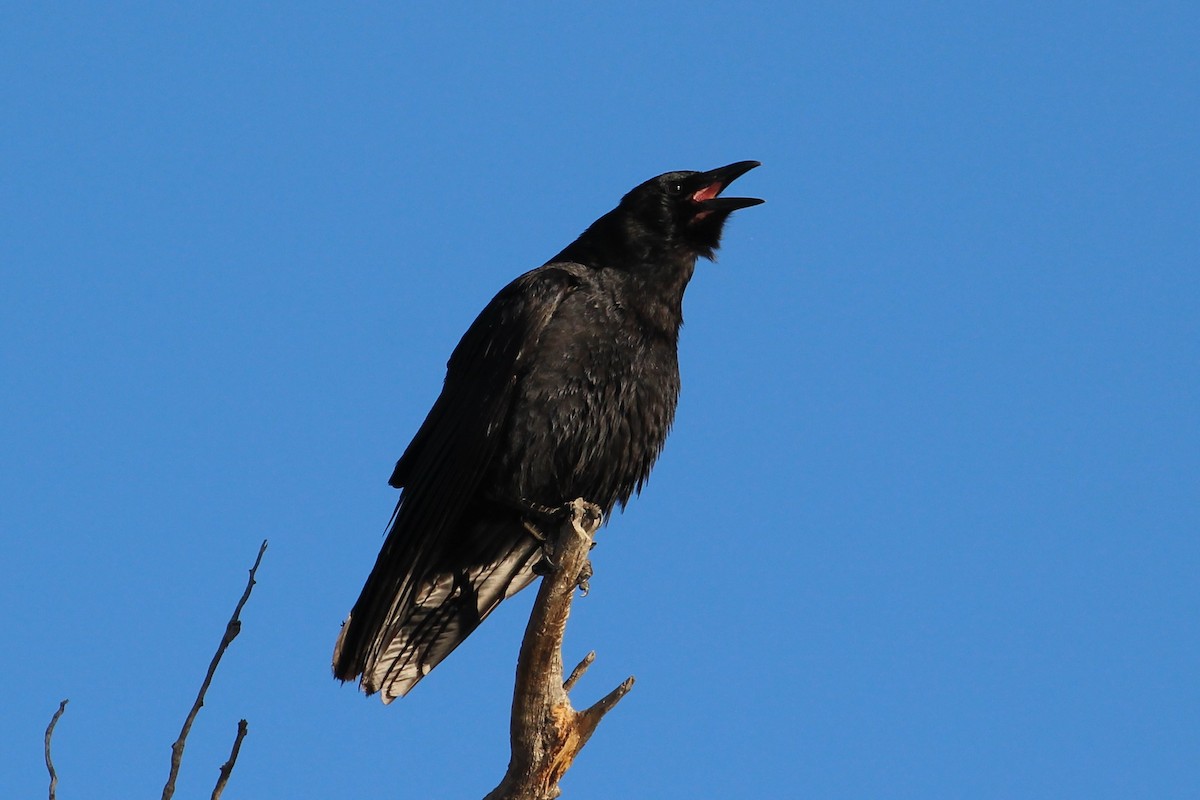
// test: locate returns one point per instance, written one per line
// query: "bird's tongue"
(708, 192)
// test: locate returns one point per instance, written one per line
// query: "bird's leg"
(546, 564)
(533, 516)
(585, 515)
(585, 575)
(531, 508)
(555, 513)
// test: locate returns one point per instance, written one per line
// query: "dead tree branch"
(227, 767)
(49, 761)
(546, 732)
(232, 629)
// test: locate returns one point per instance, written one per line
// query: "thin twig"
(227, 767)
(577, 673)
(232, 629)
(50, 762)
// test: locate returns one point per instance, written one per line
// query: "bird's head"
(685, 210)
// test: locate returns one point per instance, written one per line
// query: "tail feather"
(493, 561)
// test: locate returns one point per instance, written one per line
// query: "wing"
(441, 473)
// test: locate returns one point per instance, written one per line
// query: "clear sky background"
(927, 524)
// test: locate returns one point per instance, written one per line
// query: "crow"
(565, 386)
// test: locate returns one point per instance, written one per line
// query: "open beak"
(705, 188)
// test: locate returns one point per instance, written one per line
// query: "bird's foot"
(585, 575)
(553, 513)
(532, 510)
(544, 565)
(533, 516)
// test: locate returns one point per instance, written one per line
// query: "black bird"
(565, 386)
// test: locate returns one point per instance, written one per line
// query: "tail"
(410, 616)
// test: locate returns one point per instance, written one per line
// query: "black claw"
(585, 575)
(544, 566)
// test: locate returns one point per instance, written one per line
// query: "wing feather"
(446, 563)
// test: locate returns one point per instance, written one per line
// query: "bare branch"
(577, 673)
(227, 767)
(232, 629)
(49, 733)
(546, 732)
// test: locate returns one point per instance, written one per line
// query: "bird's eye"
(675, 188)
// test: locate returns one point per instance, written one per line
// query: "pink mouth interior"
(707, 193)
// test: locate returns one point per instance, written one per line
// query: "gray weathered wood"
(546, 732)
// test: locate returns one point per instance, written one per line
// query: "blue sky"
(927, 523)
